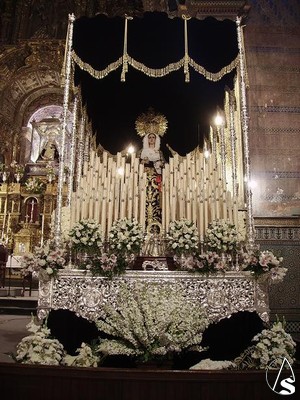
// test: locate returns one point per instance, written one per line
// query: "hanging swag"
(185, 62)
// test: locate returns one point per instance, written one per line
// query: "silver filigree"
(220, 294)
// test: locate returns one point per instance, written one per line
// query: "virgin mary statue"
(151, 126)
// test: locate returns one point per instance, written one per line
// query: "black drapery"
(155, 40)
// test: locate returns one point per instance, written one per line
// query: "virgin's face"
(151, 140)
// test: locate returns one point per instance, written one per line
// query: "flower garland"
(262, 263)
(182, 237)
(86, 236)
(46, 260)
(221, 236)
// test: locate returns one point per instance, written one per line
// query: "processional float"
(198, 187)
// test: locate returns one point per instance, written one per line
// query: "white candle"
(122, 199)
(119, 159)
(167, 200)
(212, 205)
(110, 208)
(142, 202)
(205, 213)
(217, 203)
(194, 206)
(135, 191)
(188, 205)
(97, 210)
(163, 217)
(104, 162)
(132, 159)
(201, 217)
(235, 214)
(103, 212)
(90, 204)
(225, 216)
(181, 202)
(173, 204)
(117, 197)
(77, 209)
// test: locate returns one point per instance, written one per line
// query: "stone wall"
(273, 59)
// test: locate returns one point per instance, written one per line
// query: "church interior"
(144, 120)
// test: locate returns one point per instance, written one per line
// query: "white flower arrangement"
(150, 323)
(271, 347)
(264, 263)
(125, 237)
(86, 357)
(183, 237)
(86, 236)
(35, 185)
(221, 236)
(39, 348)
(45, 260)
(209, 364)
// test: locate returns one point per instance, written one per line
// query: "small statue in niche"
(49, 153)
(154, 245)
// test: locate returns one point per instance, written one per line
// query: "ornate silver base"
(220, 294)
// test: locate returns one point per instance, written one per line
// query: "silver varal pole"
(223, 151)
(245, 133)
(80, 148)
(72, 153)
(233, 143)
(57, 232)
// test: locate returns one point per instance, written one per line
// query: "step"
(12, 302)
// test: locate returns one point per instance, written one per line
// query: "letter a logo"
(284, 386)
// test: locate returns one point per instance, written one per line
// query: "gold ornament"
(151, 122)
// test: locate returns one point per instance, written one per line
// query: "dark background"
(155, 40)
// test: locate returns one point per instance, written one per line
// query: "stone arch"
(27, 88)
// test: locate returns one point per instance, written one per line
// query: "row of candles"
(192, 188)
(110, 189)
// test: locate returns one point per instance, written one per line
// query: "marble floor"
(12, 330)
